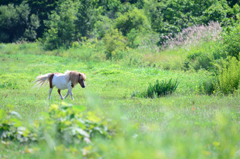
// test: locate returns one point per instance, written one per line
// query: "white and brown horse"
(62, 81)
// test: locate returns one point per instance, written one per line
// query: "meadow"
(185, 124)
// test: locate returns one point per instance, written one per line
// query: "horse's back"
(60, 81)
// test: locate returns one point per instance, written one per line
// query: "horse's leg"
(51, 85)
(70, 91)
(50, 91)
(59, 92)
(66, 95)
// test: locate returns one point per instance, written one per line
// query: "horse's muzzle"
(82, 84)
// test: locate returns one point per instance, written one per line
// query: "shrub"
(147, 42)
(132, 19)
(11, 127)
(65, 124)
(160, 88)
(198, 61)
(216, 12)
(102, 26)
(231, 42)
(115, 44)
(131, 36)
(229, 76)
(207, 86)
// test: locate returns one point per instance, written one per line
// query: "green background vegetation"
(162, 79)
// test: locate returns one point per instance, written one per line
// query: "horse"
(62, 81)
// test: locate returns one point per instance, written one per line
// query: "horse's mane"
(73, 76)
(83, 76)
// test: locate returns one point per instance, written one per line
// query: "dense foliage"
(64, 124)
(16, 23)
(61, 26)
(115, 44)
(134, 19)
(93, 18)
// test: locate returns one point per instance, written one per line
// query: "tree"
(87, 15)
(16, 23)
(42, 8)
(132, 19)
(15, 2)
(61, 26)
(172, 16)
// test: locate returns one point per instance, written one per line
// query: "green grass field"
(185, 124)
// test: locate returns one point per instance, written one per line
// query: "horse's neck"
(67, 77)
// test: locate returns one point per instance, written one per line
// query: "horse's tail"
(40, 80)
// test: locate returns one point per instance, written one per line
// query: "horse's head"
(81, 79)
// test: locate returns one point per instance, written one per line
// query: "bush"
(115, 44)
(229, 76)
(102, 26)
(231, 42)
(65, 124)
(160, 88)
(132, 19)
(147, 42)
(198, 61)
(17, 24)
(216, 12)
(207, 86)
(131, 36)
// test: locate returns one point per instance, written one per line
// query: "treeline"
(60, 23)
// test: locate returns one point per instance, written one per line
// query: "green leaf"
(65, 105)
(26, 132)
(17, 123)
(92, 117)
(81, 124)
(53, 107)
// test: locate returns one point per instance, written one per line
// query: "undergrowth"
(64, 124)
(229, 76)
(158, 89)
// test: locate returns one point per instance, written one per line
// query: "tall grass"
(193, 36)
(175, 50)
